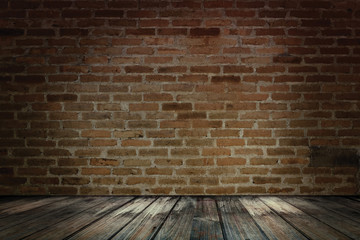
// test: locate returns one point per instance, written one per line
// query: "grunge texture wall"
(179, 97)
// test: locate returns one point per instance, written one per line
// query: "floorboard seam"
(221, 220)
(331, 210)
(319, 220)
(132, 219)
(288, 222)
(256, 223)
(63, 220)
(98, 219)
(162, 224)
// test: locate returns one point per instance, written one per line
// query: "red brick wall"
(177, 97)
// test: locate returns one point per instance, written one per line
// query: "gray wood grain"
(238, 223)
(147, 223)
(70, 225)
(273, 225)
(115, 221)
(336, 221)
(310, 226)
(345, 211)
(46, 220)
(248, 217)
(354, 205)
(178, 224)
(9, 202)
(33, 214)
(206, 223)
(26, 205)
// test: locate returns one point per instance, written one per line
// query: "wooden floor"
(246, 217)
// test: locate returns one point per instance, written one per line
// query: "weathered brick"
(128, 91)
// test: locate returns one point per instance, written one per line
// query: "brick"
(72, 162)
(230, 161)
(161, 190)
(189, 190)
(88, 152)
(168, 162)
(285, 171)
(200, 162)
(345, 190)
(28, 152)
(140, 32)
(190, 171)
(240, 13)
(133, 142)
(107, 181)
(237, 50)
(76, 14)
(184, 152)
(264, 161)
(142, 124)
(140, 180)
(126, 191)
(257, 171)
(216, 152)
(96, 134)
(127, 171)
(63, 190)
(176, 106)
(257, 78)
(138, 69)
(159, 171)
(204, 180)
(95, 171)
(229, 79)
(327, 180)
(266, 180)
(230, 142)
(179, 96)
(153, 152)
(229, 180)
(204, 32)
(75, 181)
(252, 189)
(103, 162)
(63, 171)
(94, 191)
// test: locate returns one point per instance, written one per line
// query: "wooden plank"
(25, 229)
(33, 214)
(271, 224)
(28, 205)
(146, 224)
(178, 224)
(355, 205)
(110, 224)
(310, 226)
(65, 228)
(10, 202)
(355, 198)
(345, 211)
(238, 224)
(12, 199)
(338, 222)
(206, 222)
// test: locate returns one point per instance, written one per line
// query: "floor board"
(179, 222)
(238, 223)
(206, 222)
(311, 227)
(347, 226)
(236, 217)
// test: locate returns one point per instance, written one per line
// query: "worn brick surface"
(179, 97)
